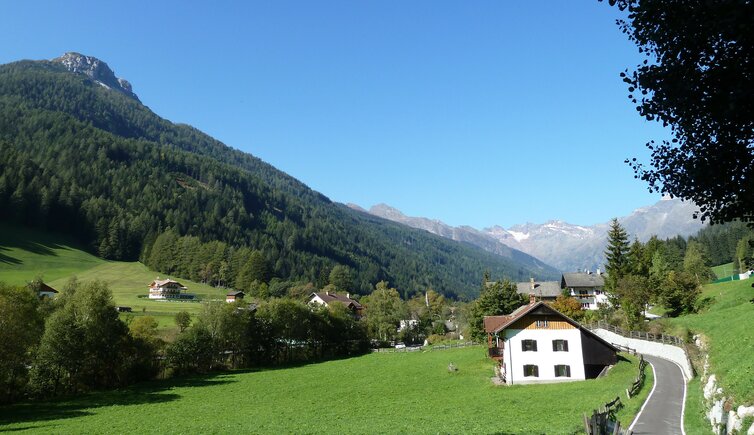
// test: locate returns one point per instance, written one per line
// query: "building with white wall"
(587, 287)
(536, 343)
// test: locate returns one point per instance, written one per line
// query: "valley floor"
(375, 393)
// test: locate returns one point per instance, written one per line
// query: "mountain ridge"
(566, 246)
(92, 161)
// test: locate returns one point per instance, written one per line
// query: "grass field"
(128, 281)
(729, 325)
(26, 254)
(376, 393)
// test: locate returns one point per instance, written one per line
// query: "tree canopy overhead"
(698, 79)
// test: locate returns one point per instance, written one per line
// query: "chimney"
(599, 272)
(531, 283)
(532, 298)
(327, 292)
(348, 295)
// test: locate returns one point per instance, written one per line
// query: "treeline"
(669, 273)
(77, 158)
(730, 242)
(77, 343)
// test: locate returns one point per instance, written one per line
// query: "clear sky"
(476, 113)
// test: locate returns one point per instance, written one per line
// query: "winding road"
(662, 413)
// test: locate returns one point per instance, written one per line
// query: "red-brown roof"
(491, 323)
(163, 282)
(46, 288)
(499, 323)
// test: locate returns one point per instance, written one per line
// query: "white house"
(588, 288)
(536, 343)
(326, 298)
(167, 289)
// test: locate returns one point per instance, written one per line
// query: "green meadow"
(728, 324)
(26, 254)
(377, 393)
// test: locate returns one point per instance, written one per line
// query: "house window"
(585, 305)
(531, 370)
(561, 371)
(529, 345)
(560, 345)
(542, 323)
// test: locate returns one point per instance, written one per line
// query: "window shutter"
(565, 348)
(536, 370)
(534, 346)
(555, 345)
(568, 370)
(523, 345)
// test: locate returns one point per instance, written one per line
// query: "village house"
(45, 291)
(536, 343)
(326, 298)
(587, 287)
(234, 295)
(543, 290)
(167, 289)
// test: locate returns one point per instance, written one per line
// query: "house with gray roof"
(543, 290)
(587, 287)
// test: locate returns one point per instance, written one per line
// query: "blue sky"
(476, 113)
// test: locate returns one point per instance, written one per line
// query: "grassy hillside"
(26, 254)
(96, 164)
(377, 393)
(729, 326)
(128, 282)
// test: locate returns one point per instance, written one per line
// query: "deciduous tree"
(698, 79)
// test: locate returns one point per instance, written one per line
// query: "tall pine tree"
(616, 254)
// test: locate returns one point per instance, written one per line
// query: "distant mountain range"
(565, 246)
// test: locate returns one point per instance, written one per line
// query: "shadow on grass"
(34, 415)
(7, 259)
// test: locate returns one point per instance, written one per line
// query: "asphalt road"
(663, 411)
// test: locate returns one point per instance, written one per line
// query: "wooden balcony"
(495, 352)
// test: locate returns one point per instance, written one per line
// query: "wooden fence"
(641, 335)
(636, 386)
(603, 421)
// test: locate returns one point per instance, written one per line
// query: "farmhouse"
(543, 290)
(327, 298)
(167, 289)
(45, 291)
(234, 295)
(587, 287)
(536, 343)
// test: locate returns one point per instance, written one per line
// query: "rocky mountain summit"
(96, 70)
(566, 246)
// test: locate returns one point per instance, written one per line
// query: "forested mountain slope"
(80, 158)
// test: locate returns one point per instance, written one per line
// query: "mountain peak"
(96, 70)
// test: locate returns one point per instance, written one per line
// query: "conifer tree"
(616, 254)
